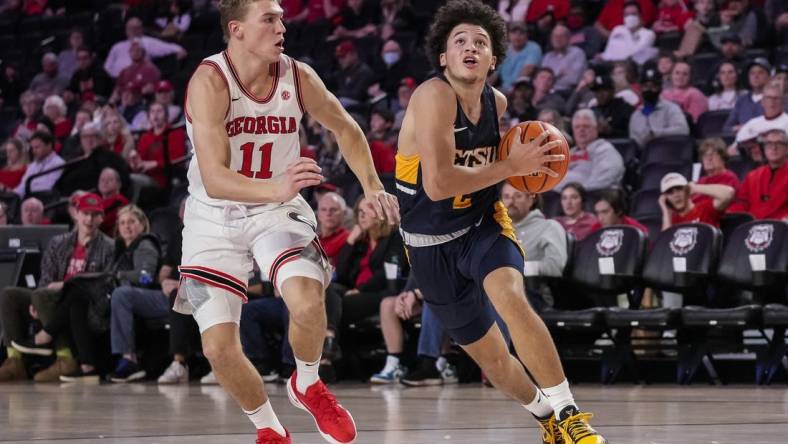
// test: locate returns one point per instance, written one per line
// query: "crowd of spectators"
(94, 138)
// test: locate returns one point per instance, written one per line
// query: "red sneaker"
(332, 420)
(269, 436)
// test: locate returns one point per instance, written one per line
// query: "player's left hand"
(383, 205)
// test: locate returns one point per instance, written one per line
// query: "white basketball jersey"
(263, 131)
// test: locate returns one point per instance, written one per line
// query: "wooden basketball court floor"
(469, 413)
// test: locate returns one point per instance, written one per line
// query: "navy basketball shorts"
(451, 277)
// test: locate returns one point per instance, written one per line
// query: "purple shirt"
(43, 183)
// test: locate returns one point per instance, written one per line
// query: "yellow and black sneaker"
(575, 429)
(551, 434)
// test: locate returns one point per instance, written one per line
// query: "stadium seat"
(627, 148)
(651, 175)
(683, 259)
(756, 258)
(622, 321)
(775, 317)
(654, 224)
(710, 123)
(718, 330)
(741, 166)
(645, 203)
(703, 66)
(609, 260)
(668, 150)
(730, 222)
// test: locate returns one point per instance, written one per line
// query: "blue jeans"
(128, 302)
(261, 317)
(432, 333)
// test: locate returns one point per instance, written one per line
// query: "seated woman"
(360, 283)
(575, 220)
(136, 258)
(15, 164)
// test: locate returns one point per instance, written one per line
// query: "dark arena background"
(658, 264)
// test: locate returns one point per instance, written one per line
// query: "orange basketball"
(537, 182)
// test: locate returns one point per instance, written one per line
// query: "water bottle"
(145, 278)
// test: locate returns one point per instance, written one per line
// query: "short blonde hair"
(138, 214)
(230, 10)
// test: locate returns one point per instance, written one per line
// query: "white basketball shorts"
(220, 243)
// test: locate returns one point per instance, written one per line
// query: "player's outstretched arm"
(207, 104)
(430, 127)
(321, 104)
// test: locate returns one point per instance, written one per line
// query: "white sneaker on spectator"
(210, 378)
(176, 373)
(449, 374)
(389, 374)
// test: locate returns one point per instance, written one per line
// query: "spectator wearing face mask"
(656, 117)
(631, 40)
(390, 69)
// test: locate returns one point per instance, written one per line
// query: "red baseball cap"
(345, 48)
(90, 203)
(164, 86)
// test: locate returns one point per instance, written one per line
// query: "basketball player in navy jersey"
(457, 232)
(243, 108)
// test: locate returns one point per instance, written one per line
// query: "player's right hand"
(303, 172)
(530, 157)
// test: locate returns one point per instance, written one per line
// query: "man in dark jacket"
(612, 112)
(84, 175)
(351, 81)
(83, 250)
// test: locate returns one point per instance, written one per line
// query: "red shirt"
(151, 147)
(119, 144)
(333, 243)
(317, 12)
(111, 206)
(11, 178)
(581, 228)
(626, 220)
(612, 14)
(62, 129)
(703, 212)
(678, 14)
(364, 273)
(764, 193)
(292, 8)
(726, 177)
(382, 156)
(538, 8)
(77, 262)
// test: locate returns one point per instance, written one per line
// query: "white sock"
(264, 417)
(307, 374)
(391, 364)
(441, 363)
(540, 406)
(560, 397)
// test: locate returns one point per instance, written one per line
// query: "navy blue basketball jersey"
(475, 146)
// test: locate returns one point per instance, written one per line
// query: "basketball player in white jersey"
(243, 110)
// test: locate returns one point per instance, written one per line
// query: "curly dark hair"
(472, 12)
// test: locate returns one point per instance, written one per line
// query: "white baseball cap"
(672, 180)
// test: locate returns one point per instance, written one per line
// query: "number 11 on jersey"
(265, 161)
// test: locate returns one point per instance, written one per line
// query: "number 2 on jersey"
(461, 202)
(265, 161)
